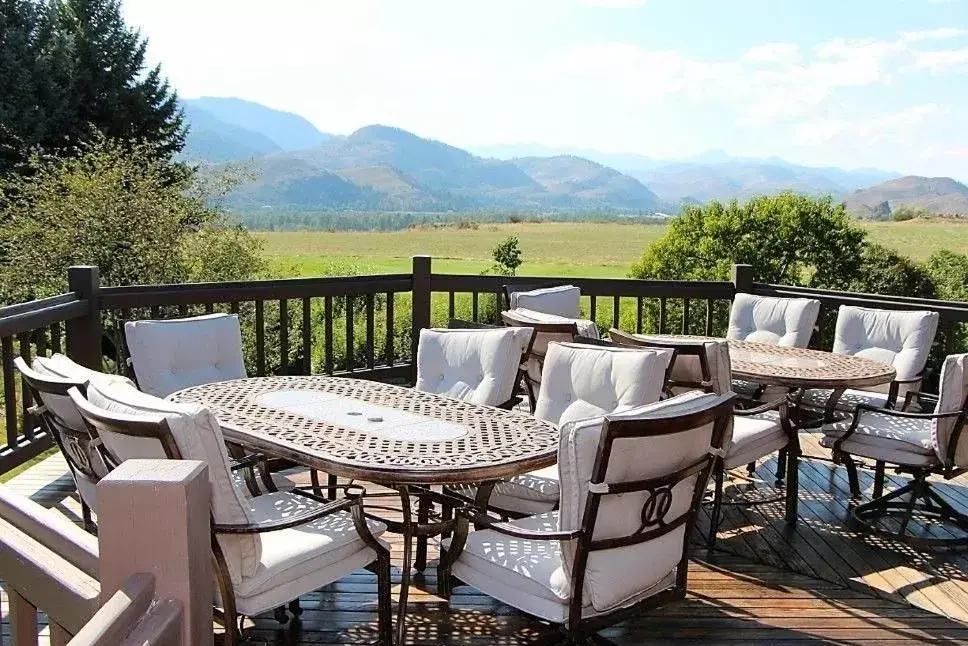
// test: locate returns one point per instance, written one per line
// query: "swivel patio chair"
(267, 550)
(562, 300)
(476, 365)
(48, 382)
(631, 486)
(920, 444)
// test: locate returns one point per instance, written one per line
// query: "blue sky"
(849, 83)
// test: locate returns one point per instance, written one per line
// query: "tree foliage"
(787, 238)
(70, 68)
(507, 256)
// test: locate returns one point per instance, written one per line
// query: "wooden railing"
(132, 584)
(367, 326)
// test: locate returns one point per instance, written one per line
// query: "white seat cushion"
(582, 381)
(528, 494)
(563, 300)
(885, 437)
(322, 551)
(479, 366)
(816, 398)
(778, 321)
(171, 355)
(585, 327)
(281, 482)
(754, 437)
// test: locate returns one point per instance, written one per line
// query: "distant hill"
(392, 169)
(211, 139)
(937, 195)
(286, 130)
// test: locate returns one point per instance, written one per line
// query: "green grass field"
(549, 249)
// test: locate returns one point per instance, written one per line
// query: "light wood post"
(154, 517)
(84, 334)
(420, 307)
(742, 278)
(23, 619)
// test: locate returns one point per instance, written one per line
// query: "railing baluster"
(122, 366)
(662, 315)
(182, 310)
(638, 315)
(474, 308)
(155, 312)
(234, 307)
(283, 336)
(450, 305)
(9, 391)
(209, 308)
(685, 316)
(26, 400)
(390, 329)
(260, 339)
(350, 360)
(593, 306)
(616, 308)
(709, 317)
(328, 335)
(40, 340)
(370, 331)
(55, 338)
(307, 336)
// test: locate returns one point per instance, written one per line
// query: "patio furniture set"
(561, 471)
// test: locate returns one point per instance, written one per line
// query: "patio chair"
(900, 338)
(920, 444)
(755, 432)
(581, 381)
(48, 382)
(268, 550)
(562, 300)
(173, 354)
(476, 365)
(631, 487)
(777, 321)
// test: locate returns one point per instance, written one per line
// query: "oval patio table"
(393, 436)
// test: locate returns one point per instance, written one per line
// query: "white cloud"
(891, 127)
(942, 61)
(941, 33)
(773, 53)
(614, 4)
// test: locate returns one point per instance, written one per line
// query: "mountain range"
(381, 168)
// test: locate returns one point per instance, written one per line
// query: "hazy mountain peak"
(287, 130)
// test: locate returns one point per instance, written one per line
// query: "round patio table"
(393, 436)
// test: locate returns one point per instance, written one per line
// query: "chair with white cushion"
(268, 550)
(631, 486)
(580, 381)
(755, 433)
(562, 300)
(920, 444)
(475, 365)
(899, 338)
(48, 381)
(786, 322)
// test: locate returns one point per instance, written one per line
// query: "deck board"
(765, 583)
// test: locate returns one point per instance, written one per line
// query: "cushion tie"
(598, 487)
(719, 453)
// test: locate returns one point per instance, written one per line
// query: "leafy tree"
(787, 238)
(949, 271)
(885, 271)
(909, 212)
(69, 68)
(507, 256)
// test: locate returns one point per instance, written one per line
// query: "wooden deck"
(821, 581)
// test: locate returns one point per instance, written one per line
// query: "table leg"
(406, 569)
(424, 504)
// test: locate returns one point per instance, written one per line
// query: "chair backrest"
(633, 482)
(779, 321)
(563, 300)
(134, 424)
(581, 381)
(900, 338)
(544, 334)
(948, 434)
(475, 365)
(170, 355)
(701, 364)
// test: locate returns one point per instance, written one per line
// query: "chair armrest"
(302, 518)
(485, 521)
(251, 460)
(904, 414)
(911, 394)
(777, 404)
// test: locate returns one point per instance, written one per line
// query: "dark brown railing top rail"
(628, 287)
(949, 311)
(24, 317)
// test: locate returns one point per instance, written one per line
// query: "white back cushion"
(59, 366)
(951, 397)
(779, 321)
(688, 368)
(564, 300)
(479, 366)
(179, 353)
(615, 576)
(198, 436)
(582, 381)
(901, 339)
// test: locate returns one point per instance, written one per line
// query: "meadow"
(548, 248)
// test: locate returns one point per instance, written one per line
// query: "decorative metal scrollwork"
(657, 504)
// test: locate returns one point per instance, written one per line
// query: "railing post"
(420, 307)
(154, 517)
(84, 334)
(742, 278)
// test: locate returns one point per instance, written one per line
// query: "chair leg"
(792, 486)
(280, 615)
(89, 525)
(781, 466)
(751, 469)
(331, 483)
(314, 480)
(295, 608)
(424, 504)
(384, 600)
(717, 507)
(878, 479)
(852, 478)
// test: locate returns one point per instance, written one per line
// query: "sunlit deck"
(821, 581)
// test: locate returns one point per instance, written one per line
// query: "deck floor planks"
(764, 583)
